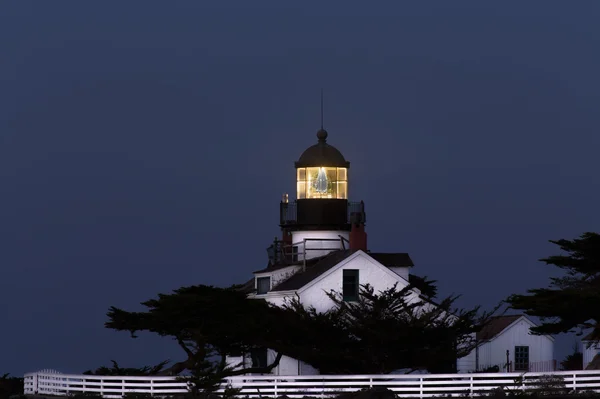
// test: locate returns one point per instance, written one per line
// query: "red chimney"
(358, 237)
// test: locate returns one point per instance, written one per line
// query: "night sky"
(145, 146)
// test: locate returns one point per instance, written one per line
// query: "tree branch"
(184, 347)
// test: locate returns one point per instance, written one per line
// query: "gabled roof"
(396, 259)
(496, 326)
(313, 271)
(327, 262)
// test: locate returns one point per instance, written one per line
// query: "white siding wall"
(291, 366)
(299, 236)
(401, 271)
(235, 362)
(589, 353)
(278, 300)
(541, 348)
(369, 272)
(467, 364)
(307, 369)
(287, 366)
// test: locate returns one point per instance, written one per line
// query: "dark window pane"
(350, 285)
(521, 358)
(263, 285)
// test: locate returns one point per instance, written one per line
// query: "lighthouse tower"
(321, 219)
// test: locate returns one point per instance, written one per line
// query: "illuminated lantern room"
(322, 172)
(321, 191)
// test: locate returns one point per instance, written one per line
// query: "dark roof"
(322, 154)
(283, 264)
(313, 271)
(495, 326)
(271, 268)
(590, 337)
(392, 259)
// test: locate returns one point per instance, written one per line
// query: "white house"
(506, 343)
(324, 247)
(590, 349)
(341, 271)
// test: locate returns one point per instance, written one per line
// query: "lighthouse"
(321, 219)
(322, 248)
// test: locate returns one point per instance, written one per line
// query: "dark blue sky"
(146, 145)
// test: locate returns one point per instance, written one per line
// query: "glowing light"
(322, 182)
(320, 185)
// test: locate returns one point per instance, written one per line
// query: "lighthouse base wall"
(319, 243)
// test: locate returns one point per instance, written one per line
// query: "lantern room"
(320, 219)
(322, 172)
(322, 191)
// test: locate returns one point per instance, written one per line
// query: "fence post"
(370, 382)
(575, 382)
(275, 388)
(151, 386)
(322, 385)
(471, 384)
(421, 387)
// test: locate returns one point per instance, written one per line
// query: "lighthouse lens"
(322, 182)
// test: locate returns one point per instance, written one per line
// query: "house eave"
(272, 294)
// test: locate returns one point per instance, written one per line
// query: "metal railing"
(279, 251)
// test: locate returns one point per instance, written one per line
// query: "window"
(521, 358)
(263, 285)
(259, 357)
(322, 182)
(350, 285)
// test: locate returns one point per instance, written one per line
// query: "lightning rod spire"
(321, 108)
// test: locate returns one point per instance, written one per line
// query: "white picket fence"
(50, 382)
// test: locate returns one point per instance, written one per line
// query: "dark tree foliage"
(208, 323)
(427, 287)
(129, 371)
(383, 332)
(573, 361)
(571, 303)
(10, 386)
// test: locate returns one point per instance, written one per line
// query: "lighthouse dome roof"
(322, 154)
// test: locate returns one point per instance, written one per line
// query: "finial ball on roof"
(322, 134)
